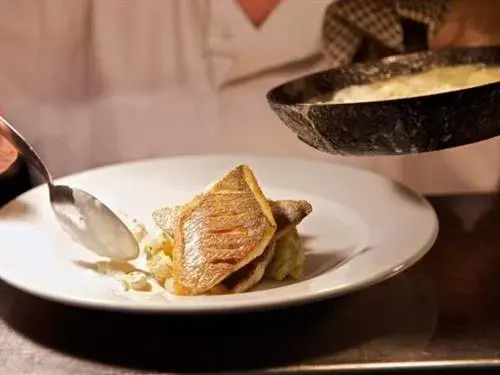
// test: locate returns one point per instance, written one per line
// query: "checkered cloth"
(375, 25)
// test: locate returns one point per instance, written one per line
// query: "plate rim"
(242, 306)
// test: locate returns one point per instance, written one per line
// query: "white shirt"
(93, 82)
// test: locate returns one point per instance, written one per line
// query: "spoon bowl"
(92, 224)
(86, 219)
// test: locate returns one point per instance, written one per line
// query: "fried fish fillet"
(286, 213)
(166, 219)
(220, 232)
(250, 275)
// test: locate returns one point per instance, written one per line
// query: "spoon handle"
(18, 141)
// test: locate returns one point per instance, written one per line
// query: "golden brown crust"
(286, 213)
(166, 219)
(220, 232)
(247, 277)
(289, 213)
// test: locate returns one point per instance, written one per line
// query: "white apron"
(92, 82)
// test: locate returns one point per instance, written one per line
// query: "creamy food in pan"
(433, 81)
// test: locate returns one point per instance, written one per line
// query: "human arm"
(360, 30)
(469, 24)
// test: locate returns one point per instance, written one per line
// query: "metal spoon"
(84, 217)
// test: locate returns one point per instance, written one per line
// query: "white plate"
(363, 229)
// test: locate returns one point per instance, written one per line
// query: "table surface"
(444, 311)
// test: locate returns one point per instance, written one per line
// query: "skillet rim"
(429, 59)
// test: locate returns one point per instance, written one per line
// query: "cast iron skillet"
(399, 126)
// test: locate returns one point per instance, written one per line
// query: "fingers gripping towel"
(376, 28)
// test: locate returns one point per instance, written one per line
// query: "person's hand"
(469, 23)
(8, 154)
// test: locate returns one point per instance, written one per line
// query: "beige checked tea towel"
(372, 29)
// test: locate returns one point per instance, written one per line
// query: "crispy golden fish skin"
(247, 277)
(286, 213)
(166, 219)
(220, 232)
